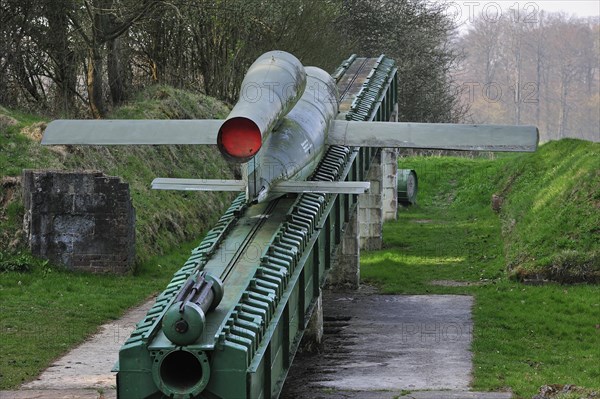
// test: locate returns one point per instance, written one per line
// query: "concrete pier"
(370, 208)
(389, 172)
(365, 227)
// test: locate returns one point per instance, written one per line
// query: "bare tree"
(63, 68)
(549, 65)
(64, 54)
(108, 21)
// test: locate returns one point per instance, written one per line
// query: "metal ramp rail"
(272, 259)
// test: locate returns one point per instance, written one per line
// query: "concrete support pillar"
(389, 165)
(313, 335)
(370, 208)
(365, 226)
(345, 273)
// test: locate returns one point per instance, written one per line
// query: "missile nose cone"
(239, 139)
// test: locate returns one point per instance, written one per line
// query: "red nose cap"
(239, 139)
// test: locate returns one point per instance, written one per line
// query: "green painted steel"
(184, 321)
(408, 186)
(378, 96)
(272, 259)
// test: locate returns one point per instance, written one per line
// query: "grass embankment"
(45, 310)
(525, 336)
(551, 212)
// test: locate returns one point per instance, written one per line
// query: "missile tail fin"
(281, 187)
(442, 136)
(198, 184)
(131, 132)
(323, 187)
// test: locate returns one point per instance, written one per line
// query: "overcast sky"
(465, 11)
(582, 8)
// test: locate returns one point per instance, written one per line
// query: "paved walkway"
(388, 346)
(89, 365)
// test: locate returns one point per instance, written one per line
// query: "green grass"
(16, 150)
(47, 311)
(551, 213)
(524, 336)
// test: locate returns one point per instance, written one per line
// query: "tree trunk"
(118, 76)
(517, 72)
(564, 91)
(518, 87)
(538, 71)
(65, 63)
(26, 80)
(100, 26)
(94, 84)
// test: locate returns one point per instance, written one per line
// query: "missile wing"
(281, 187)
(131, 132)
(441, 136)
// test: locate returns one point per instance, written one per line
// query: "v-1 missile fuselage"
(294, 149)
(279, 125)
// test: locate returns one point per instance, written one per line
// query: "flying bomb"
(279, 130)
